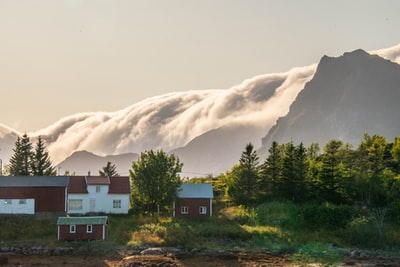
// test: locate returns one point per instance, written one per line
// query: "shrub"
(280, 214)
(328, 216)
(239, 214)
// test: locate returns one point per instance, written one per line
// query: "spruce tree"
(244, 189)
(109, 170)
(20, 160)
(41, 164)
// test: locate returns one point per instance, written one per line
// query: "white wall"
(15, 207)
(103, 202)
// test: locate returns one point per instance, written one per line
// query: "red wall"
(46, 198)
(194, 206)
(80, 234)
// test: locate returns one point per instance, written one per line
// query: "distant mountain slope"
(348, 96)
(217, 150)
(84, 162)
(207, 128)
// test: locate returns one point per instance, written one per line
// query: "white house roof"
(196, 191)
(34, 181)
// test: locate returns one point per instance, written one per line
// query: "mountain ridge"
(349, 95)
(183, 121)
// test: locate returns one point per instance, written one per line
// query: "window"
(75, 204)
(184, 210)
(116, 204)
(22, 201)
(203, 210)
(8, 201)
(89, 228)
(72, 228)
(97, 188)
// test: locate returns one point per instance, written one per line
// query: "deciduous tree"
(155, 180)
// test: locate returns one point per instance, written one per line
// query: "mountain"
(84, 162)
(207, 129)
(217, 150)
(348, 96)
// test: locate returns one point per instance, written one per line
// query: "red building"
(82, 228)
(194, 201)
(33, 194)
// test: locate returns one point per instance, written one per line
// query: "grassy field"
(277, 226)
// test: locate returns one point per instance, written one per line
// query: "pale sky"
(59, 58)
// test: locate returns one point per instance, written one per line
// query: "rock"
(153, 251)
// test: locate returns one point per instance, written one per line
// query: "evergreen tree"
(20, 160)
(40, 161)
(330, 175)
(109, 170)
(373, 152)
(292, 184)
(395, 152)
(271, 171)
(244, 188)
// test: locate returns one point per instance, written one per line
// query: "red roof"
(119, 185)
(97, 180)
(77, 185)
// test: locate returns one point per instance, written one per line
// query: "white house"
(98, 194)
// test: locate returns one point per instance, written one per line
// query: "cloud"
(172, 120)
(391, 53)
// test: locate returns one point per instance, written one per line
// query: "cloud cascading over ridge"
(172, 120)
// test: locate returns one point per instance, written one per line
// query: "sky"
(59, 58)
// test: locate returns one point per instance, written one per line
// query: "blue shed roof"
(196, 191)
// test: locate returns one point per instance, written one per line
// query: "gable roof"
(196, 191)
(34, 181)
(77, 185)
(119, 185)
(97, 180)
(82, 220)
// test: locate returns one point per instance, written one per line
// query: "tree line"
(340, 174)
(368, 174)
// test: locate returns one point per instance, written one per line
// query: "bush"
(280, 214)
(239, 214)
(327, 216)
(360, 232)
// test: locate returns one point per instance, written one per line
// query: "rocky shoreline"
(172, 256)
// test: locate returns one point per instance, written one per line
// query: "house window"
(22, 201)
(184, 210)
(72, 228)
(116, 204)
(97, 188)
(89, 228)
(203, 210)
(8, 201)
(75, 204)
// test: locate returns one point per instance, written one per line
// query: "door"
(92, 205)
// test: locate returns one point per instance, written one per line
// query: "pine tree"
(109, 170)
(244, 189)
(20, 160)
(41, 164)
(271, 171)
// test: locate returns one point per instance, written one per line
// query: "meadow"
(280, 227)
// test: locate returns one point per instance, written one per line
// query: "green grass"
(273, 226)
